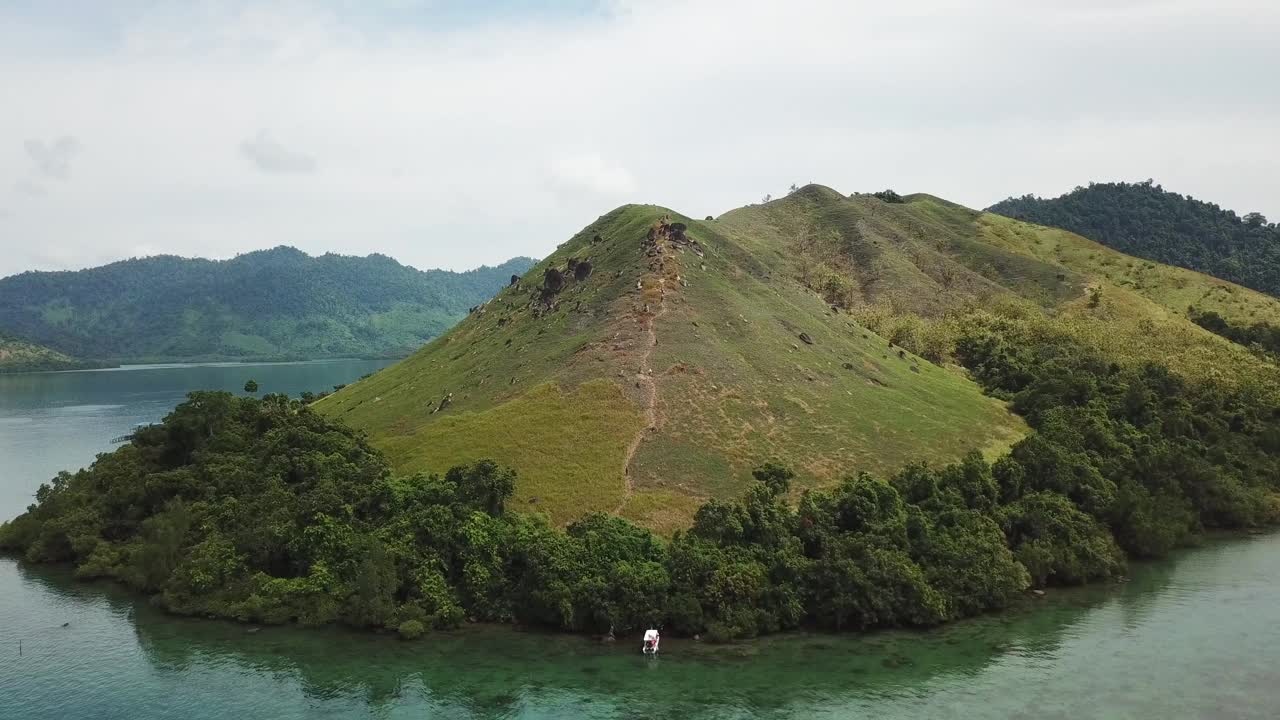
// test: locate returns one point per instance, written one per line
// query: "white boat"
(650, 646)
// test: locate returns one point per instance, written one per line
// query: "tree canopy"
(271, 304)
(1145, 220)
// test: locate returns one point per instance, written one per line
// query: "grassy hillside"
(663, 377)
(909, 269)
(273, 304)
(816, 329)
(21, 356)
(1147, 221)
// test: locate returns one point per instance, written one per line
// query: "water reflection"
(488, 672)
(1179, 640)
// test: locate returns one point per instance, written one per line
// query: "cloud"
(589, 171)
(271, 157)
(53, 160)
(30, 188)
(452, 141)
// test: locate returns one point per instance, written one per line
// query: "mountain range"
(271, 304)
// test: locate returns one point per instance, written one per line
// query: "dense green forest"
(266, 511)
(1145, 220)
(272, 304)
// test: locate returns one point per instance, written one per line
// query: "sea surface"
(1194, 636)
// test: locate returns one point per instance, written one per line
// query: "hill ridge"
(561, 378)
(278, 303)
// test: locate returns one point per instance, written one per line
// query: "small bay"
(60, 420)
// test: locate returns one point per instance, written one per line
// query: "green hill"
(1145, 220)
(816, 330)
(20, 356)
(271, 304)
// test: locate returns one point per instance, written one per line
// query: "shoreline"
(1031, 598)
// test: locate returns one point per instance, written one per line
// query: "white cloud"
(455, 143)
(53, 160)
(270, 156)
(30, 188)
(590, 172)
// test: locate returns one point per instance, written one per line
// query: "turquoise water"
(1191, 637)
(1194, 636)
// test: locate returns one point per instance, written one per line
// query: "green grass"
(560, 393)
(555, 394)
(568, 447)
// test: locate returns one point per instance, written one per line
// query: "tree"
(251, 387)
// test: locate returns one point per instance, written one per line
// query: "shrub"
(411, 630)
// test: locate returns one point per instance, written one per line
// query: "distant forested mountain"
(1145, 220)
(271, 304)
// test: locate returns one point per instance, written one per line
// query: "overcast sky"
(453, 134)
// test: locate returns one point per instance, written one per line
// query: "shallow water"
(1194, 636)
(1190, 637)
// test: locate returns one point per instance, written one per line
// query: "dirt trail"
(645, 378)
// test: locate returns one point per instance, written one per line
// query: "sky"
(454, 134)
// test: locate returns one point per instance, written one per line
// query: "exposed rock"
(804, 338)
(1038, 593)
(444, 403)
(582, 271)
(552, 281)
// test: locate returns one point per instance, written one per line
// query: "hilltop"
(1145, 220)
(653, 359)
(270, 304)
